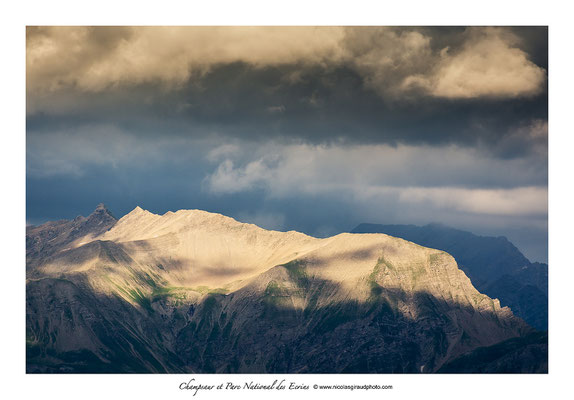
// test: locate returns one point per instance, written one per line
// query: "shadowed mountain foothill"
(198, 292)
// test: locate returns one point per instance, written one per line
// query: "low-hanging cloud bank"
(448, 178)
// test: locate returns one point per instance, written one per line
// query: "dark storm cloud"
(321, 105)
(392, 60)
(358, 85)
(533, 40)
(361, 85)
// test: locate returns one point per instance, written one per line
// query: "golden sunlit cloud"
(391, 61)
(487, 65)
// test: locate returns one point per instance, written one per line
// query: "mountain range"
(198, 292)
(493, 264)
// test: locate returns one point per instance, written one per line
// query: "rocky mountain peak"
(138, 210)
(102, 211)
(137, 213)
(48, 239)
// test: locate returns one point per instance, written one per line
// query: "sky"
(315, 129)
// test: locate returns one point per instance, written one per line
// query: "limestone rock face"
(494, 265)
(193, 291)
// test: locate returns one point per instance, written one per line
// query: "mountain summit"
(193, 291)
(49, 238)
(101, 216)
(102, 209)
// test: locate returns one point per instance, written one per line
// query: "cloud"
(528, 137)
(228, 179)
(95, 58)
(69, 152)
(448, 178)
(488, 65)
(484, 62)
(276, 109)
(223, 151)
(392, 61)
(73, 151)
(385, 56)
(516, 201)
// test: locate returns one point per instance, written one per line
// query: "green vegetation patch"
(378, 299)
(208, 290)
(376, 289)
(274, 289)
(298, 273)
(385, 264)
(161, 292)
(275, 297)
(143, 301)
(180, 292)
(136, 296)
(418, 271)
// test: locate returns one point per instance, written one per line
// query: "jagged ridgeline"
(194, 291)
